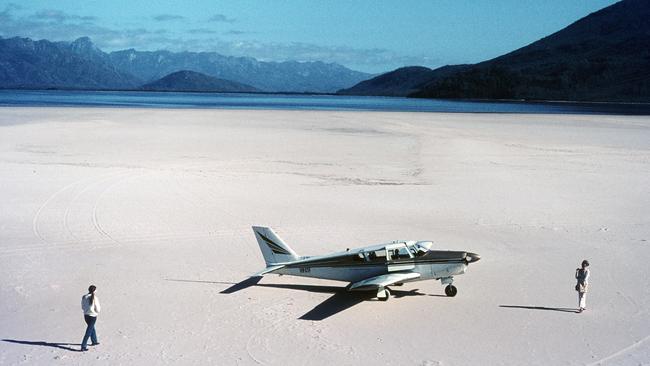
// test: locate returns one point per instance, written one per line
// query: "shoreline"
(318, 112)
(335, 94)
(278, 102)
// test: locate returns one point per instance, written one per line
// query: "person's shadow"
(564, 310)
(47, 344)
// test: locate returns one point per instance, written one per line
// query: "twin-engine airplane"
(372, 268)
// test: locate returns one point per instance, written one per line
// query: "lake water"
(298, 102)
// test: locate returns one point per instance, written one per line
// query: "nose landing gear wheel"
(451, 291)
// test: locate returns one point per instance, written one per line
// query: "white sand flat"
(155, 208)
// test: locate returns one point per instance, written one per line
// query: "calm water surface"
(298, 102)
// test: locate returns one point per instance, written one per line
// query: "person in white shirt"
(582, 275)
(91, 308)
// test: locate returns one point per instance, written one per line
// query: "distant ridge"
(400, 82)
(191, 81)
(604, 56)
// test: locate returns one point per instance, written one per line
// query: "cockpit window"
(391, 252)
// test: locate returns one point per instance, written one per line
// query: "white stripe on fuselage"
(358, 273)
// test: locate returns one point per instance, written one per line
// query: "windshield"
(420, 248)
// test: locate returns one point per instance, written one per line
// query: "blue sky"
(371, 36)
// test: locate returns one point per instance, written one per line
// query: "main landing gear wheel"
(386, 295)
(451, 291)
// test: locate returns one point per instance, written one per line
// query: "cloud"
(56, 25)
(13, 6)
(201, 31)
(60, 16)
(5, 15)
(220, 18)
(235, 32)
(168, 17)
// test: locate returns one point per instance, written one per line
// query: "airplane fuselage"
(343, 269)
(369, 268)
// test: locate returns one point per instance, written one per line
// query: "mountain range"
(604, 56)
(42, 64)
(29, 64)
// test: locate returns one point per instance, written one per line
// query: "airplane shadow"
(236, 286)
(335, 304)
(46, 344)
(251, 281)
(340, 300)
(564, 310)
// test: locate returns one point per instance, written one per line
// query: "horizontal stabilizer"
(268, 269)
(383, 281)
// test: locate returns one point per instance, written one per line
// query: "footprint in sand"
(20, 290)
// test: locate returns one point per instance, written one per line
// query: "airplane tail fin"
(274, 249)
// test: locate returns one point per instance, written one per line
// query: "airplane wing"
(383, 281)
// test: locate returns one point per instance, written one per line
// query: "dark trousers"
(90, 331)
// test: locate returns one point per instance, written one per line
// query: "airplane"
(372, 268)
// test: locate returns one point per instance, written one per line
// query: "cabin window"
(398, 252)
(402, 253)
(377, 255)
(393, 253)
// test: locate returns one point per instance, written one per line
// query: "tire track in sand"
(128, 240)
(620, 352)
(37, 215)
(95, 220)
(66, 215)
(36, 220)
(275, 322)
